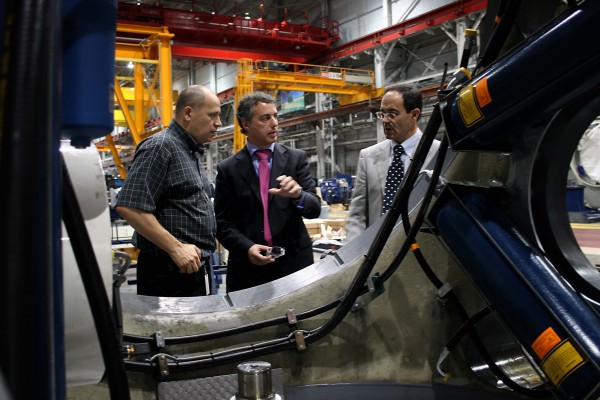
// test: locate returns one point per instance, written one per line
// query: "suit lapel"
(278, 167)
(382, 161)
(247, 172)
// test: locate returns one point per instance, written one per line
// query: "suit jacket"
(239, 214)
(369, 186)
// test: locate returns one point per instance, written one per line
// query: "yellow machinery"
(152, 47)
(352, 85)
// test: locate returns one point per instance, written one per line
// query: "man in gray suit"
(400, 111)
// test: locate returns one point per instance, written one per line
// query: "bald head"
(198, 111)
(193, 96)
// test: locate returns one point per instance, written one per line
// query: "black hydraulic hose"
(400, 203)
(507, 15)
(97, 297)
(467, 327)
(414, 169)
(426, 267)
(358, 284)
(411, 232)
(182, 364)
(230, 332)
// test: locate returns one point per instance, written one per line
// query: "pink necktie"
(263, 176)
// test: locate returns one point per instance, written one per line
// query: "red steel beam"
(224, 55)
(428, 20)
(207, 31)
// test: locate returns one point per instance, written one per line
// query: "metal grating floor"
(222, 387)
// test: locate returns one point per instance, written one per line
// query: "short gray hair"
(244, 108)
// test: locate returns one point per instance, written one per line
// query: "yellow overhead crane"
(144, 45)
(153, 47)
(351, 85)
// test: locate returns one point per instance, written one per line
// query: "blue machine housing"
(88, 71)
(336, 190)
(552, 322)
(483, 113)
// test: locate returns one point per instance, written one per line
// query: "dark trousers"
(157, 275)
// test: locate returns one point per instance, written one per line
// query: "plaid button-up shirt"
(167, 179)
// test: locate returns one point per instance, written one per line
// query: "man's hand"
(187, 258)
(288, 187)
(256, 257)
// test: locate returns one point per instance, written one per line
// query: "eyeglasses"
(382, 115)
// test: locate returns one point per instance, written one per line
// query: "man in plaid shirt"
(165, 198)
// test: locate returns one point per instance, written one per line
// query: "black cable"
(444, 74)
(507, 15)
(233, 331)
(426, 267)
(400, 204)
(97, 297)
(181, 364)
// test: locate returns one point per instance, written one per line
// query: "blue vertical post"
(89, 30)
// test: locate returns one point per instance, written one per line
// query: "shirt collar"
(184, 136)
(410, 144)
(252, 148)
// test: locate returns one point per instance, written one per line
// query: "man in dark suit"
(239, 205)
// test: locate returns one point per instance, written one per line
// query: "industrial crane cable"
(97, 297)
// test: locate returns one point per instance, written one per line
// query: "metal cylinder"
(254, 381)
